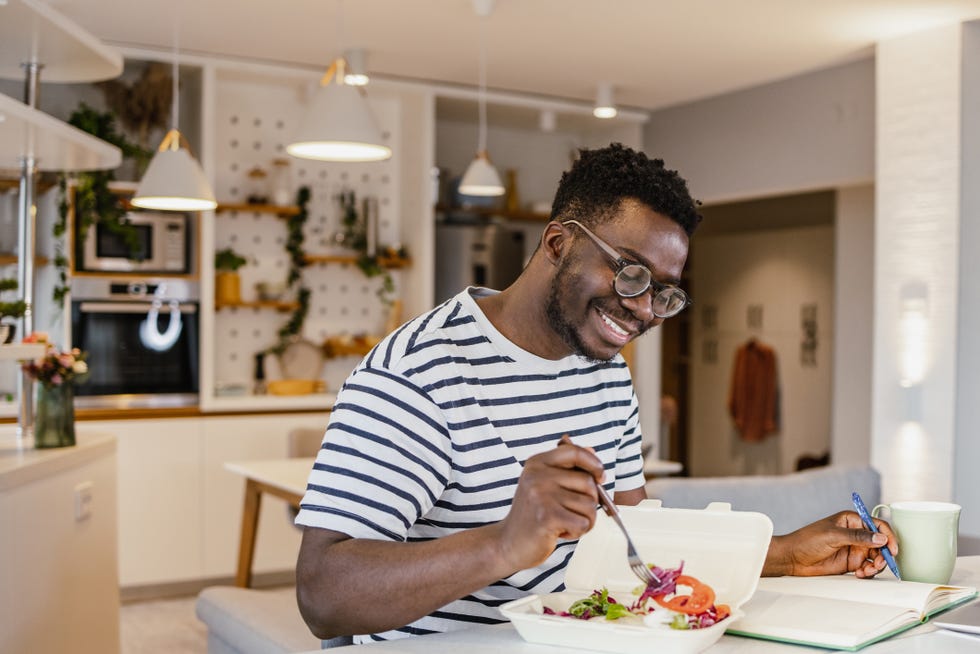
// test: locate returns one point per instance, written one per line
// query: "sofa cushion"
(247, 621)
(791, 501)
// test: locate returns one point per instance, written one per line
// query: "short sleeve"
(384, 461)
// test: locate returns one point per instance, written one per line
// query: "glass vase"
(54, 417)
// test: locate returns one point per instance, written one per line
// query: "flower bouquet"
(57, 372)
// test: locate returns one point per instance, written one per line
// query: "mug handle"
(879, 508)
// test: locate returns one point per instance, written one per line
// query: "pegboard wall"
(255, 120)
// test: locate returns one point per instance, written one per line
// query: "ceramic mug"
(927, 533)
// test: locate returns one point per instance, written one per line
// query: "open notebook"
(842, 611)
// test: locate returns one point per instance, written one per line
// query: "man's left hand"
(834, 545)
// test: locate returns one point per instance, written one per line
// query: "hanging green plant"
(354, 236)
(295, 238)
(94, 202)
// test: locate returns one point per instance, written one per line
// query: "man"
(461, 459)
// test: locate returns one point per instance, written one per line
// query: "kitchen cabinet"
(180, 510)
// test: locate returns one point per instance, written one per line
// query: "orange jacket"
(752, 397)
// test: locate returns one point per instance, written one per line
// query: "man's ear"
(553, 242)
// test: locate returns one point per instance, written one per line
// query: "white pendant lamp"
(339, 124)
(604, 106)
(174, 180)
(481, 178)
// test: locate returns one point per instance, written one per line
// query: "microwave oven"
(162, 245)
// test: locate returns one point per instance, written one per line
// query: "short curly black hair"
(602, 178)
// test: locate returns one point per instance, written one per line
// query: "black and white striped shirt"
(431, 431)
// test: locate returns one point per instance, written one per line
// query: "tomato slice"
(701, 599)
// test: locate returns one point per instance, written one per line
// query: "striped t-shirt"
(431, 431)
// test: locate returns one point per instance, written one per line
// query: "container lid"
(723, 548)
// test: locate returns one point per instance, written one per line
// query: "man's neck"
(518, 312)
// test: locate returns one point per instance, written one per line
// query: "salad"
(690, 602)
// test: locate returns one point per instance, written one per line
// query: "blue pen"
(869, 523)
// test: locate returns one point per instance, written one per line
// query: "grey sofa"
(791, 500)
(250, 621)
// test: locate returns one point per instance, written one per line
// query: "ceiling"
(655, 53)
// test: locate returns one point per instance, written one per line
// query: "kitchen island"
(58, 562)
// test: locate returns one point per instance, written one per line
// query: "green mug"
(927, 533)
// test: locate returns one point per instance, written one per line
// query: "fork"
(639, 568)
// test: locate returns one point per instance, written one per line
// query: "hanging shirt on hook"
(753, 395)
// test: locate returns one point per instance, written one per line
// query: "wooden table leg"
(250, 524)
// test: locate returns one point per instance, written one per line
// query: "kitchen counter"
(22, 466)
(122, 409)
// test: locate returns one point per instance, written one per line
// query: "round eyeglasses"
(633, 279)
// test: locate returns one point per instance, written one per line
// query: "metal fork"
(639, 568)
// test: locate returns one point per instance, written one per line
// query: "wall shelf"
(385, 262)
(43, 185)
(492, 212)
(258, 304)
(9, 259)
(275, 209)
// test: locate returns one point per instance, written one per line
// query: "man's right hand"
(556, 498)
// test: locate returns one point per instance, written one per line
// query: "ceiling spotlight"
(547, 120)
(356, 73)
(604, 107)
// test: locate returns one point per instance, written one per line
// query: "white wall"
(814, 131)
(966, 490)
(781, 270)
(854, 297)
(917, 222)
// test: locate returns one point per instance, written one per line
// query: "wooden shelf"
(342, 346)
(8, 259)
(281, 211)
(258, 304)
(489, 212)
(43, 185)
(386, 262)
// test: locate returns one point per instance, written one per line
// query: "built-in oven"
(142, 340)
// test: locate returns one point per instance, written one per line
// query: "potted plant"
(14, 309)
(227, 283)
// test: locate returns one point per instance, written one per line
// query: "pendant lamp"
(604, 105)
(339, 124)
(174, 180)
(481, 178)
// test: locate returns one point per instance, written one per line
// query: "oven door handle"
(129, 307)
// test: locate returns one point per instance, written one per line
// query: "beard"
(558, 318)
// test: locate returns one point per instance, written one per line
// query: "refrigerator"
(476, 254)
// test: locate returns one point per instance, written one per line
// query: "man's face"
(583, 309)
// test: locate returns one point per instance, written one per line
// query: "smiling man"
(443, 488)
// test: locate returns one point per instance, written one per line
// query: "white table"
(925, 639)
(284, 478)
(659, 467)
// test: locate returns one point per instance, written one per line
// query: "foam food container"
(723, 548)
